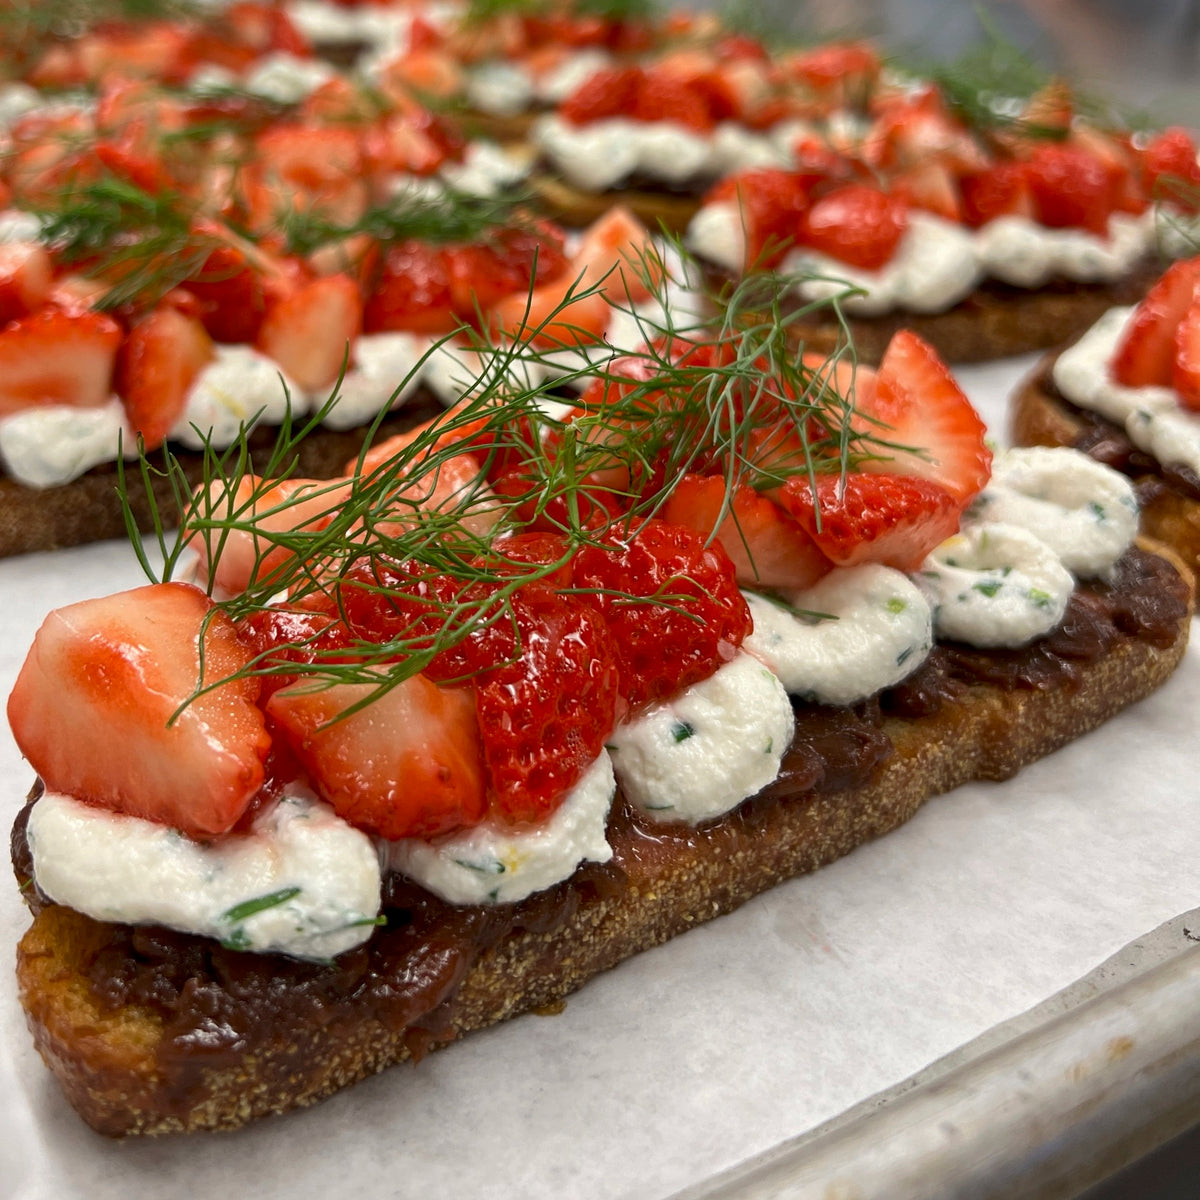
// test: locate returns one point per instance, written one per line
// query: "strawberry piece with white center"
(617, 255)
(894, 520)
(407, 764)
(310, 329)
(766, 546)
(57, 357)
(1145, 355)
(916, 404)
(26, 279)
(115, 673)
(155, 369)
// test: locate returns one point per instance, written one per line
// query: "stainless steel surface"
(1040, 1115)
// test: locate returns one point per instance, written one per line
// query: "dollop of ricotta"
(385, 374)
(286, 79)
(995, 585)
(855, 632)
(1085, 512)
(301, 882)
(52, 444)
(488, 864)
(706, 750)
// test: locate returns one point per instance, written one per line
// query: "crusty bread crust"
(106, 1062)
(1168, 515)
(88, 509)
(995, 321)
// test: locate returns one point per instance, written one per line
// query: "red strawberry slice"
(672, 603)
(1186, 375)
(1145, 355)
(617, 255)
(309, 331)
(156, 367)
(1170, 170)
(931, 187)
(919, 405)
(768, 548)
(26, 279)
(1001, 190)
(57, 357)
(661, 97)
(546, 317)
(895, 520)
(280, 638)
(1072, 188)
(856, 224)
(611, 92)
(231, 296)
(405, 765)
(114, 671)
(772, 203)
(413, 292)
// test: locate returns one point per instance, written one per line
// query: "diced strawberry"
(545, 317)
(114, 673)
(918, 129)
(768, 548)
(1072, 188)
(1116, 153)
(250, 555)
(1170, 170)
(310, 168)
(483, 273)
(1001, 190)
(26, 279)
(266, 27)
(57, 357)
(1186, 375)
(413, 291)
(309, 332)
(686, 617)
(156, 366)
(1145, 355)
(921, 406)
(846, 68)
(611, 92)
(433, 73)
(772, 203)
(930, 186)
(407, 764)
(231, 295)
(895, 520)
(663, 98)
(280, 638)
(856, 224)
(618, 254)
(546, 702)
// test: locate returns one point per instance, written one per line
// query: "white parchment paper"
(689, 1058)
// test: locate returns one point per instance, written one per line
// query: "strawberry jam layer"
(1107, 442)
(218, 1005)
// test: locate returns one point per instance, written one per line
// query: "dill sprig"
(691, 398)
(449, 215)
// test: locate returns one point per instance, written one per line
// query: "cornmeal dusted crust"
(1168, 514)
(88, 509)
(996, 321)
(107, 1061)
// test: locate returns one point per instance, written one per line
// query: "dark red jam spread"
(218, 1004)
(1108, 443)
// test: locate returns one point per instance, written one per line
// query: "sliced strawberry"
(1072, 188)
(1186, 374)
(768, 548)
(1001, 190)
(617, 254)
(545, 317)
(931, 187)
(281, 638)
(919, 405)
(660, 97)
(57, 357)
(671, 602)
(1170, 170)
(844, 68)
(484, 273)
(26, 279)
(413, 292)
(856, 224)
(114, 672)
(405, 765)
(772, 202)
(895, 520)
(231, 295)
(155, 369)
(611, 92)
(244, 550)
(1145, 355)
(310, 331)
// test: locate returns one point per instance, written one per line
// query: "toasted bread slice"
(295, 1033)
